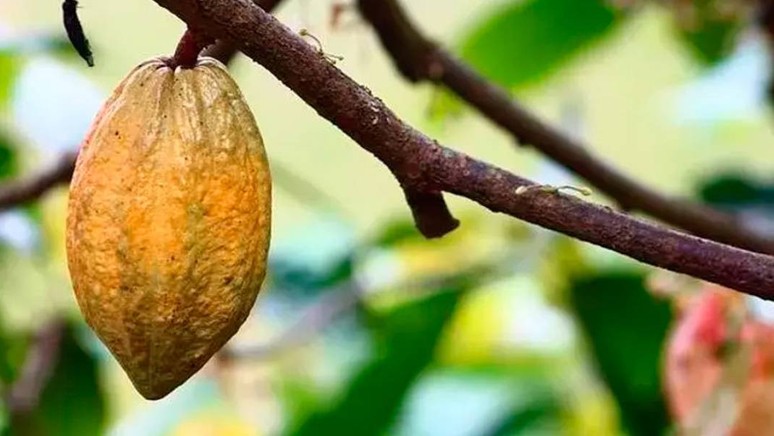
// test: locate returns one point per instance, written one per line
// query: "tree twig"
(420, 59)
(316, 318)
(31, 188)
(41, 360)
(419, 162)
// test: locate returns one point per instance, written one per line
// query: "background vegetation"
(364, 327)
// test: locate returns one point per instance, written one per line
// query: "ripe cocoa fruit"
(169, 220)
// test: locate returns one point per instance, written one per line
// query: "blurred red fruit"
(719, 368)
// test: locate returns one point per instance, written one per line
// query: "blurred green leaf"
(395, 232)
(300, 398)
(405, 339)
(523, 42)
(12, 350)
(71, 402)
(14, 51)
(9, 67)
(711, 34)
(626, 329)
(317, 257)
(543, 410)
(309, 281)
(8, 161)
(736, 191)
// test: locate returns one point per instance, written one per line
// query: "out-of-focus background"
(364, 327)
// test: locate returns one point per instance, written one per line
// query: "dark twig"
(41, 359)
(420, 163)
(24, 190)
(420, 59)
(75, 32)
(333, 304)
(320, 315)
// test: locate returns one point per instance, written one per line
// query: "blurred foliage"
(522, 42)
(9, 67)
(708, 31)
(305, 271)
(519, 44)
(626, 329)
(737, 191)
(543, 410)
(14, 51)
(71, 403)
(14, 347)
(405, 340)
(9, 164)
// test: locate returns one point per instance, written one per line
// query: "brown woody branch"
(420, 59)
(225, 50)
(42, 357)
(420, 163)
(22, 191)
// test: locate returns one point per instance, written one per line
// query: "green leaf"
(316, 258)
(737, 191)
(406, 340)
(71, 402)
(9, 67)
(711, 36)
(9, 164)
(14, 347)
(626, 329)
(741, 194)
(544, 409)
(395, 232)
(524, 41)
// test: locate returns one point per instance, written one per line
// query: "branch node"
(332, 58)
(582, 190)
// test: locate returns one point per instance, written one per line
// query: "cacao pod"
(169, 220)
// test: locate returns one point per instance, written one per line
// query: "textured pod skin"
(169, 221)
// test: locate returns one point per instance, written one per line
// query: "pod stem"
(188, 49)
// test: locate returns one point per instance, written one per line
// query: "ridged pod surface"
(169, 220)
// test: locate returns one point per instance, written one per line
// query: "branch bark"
(420, 59)
(420, 163)
(225, 50)
(39, 364)
(22, 191)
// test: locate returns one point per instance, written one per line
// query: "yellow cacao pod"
(168, 220)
